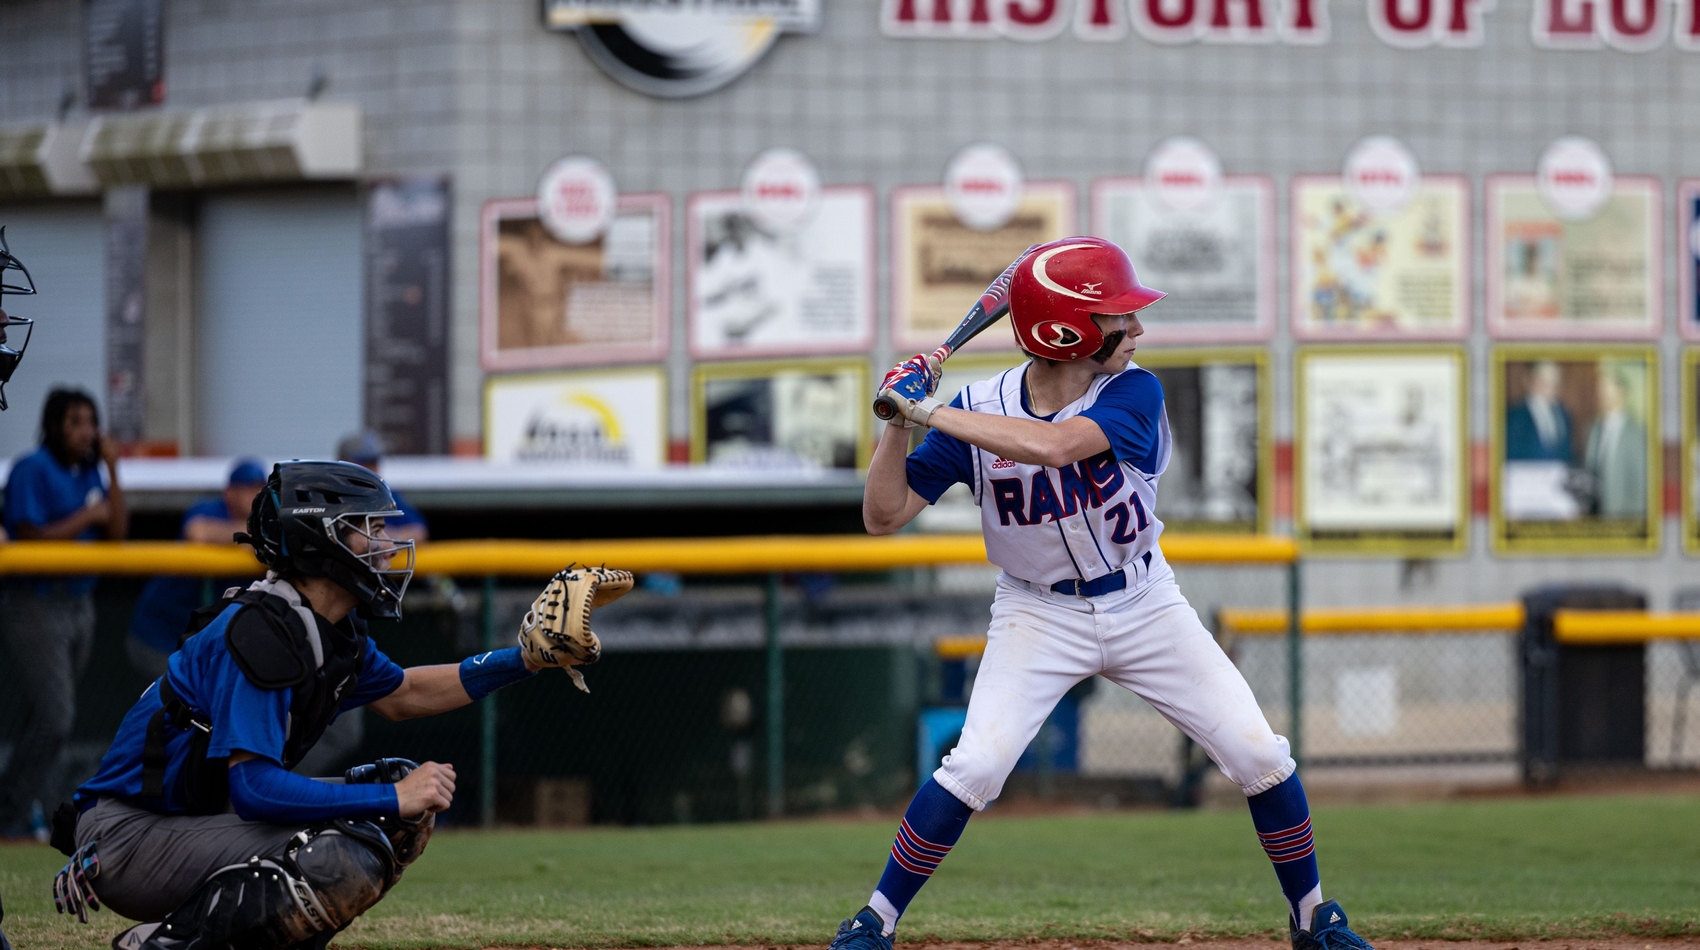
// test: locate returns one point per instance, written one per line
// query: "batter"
(1063, 455)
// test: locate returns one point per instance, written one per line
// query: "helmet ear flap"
(265, 524)
(1112, 340)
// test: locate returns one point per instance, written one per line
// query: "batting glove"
(911, 384)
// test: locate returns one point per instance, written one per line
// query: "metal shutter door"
(279, 341)
(64, 248)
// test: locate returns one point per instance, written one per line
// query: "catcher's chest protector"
(275, 648)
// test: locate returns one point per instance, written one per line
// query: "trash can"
(1582, 705)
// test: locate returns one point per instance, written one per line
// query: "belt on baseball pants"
(1098, 586)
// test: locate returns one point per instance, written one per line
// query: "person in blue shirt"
(162, 611)
(47, 624)
(194, 823)
(366, 449)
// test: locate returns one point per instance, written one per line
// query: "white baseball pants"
(1146, 638)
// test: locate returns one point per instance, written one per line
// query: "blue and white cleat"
(1328, 931)
(862, 932)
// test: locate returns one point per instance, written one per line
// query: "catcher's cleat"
(1328, 931)
(861, 932)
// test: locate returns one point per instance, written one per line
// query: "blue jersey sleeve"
(1129, 410)
(940, 462)
(26, 497)
(205, 508)
(379, 677)
(263, 791)
(245, 717)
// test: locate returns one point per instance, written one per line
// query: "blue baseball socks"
(1282, 819)
(932, 824)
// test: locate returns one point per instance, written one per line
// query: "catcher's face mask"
(12, 341)
(364, 536)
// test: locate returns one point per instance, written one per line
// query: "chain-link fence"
(873, 673)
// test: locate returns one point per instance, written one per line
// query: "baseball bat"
(989, 309)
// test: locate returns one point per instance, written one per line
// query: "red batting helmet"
(1057, 288)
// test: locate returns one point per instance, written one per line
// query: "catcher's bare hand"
(556, 631)
(428, 788)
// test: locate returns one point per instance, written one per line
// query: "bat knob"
(885, 408)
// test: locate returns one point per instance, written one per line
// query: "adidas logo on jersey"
(1003, 463)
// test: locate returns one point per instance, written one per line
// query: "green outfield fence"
(751, 677)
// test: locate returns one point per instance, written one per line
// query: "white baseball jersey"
(1084, 520)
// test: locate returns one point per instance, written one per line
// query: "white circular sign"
(1381, 174)
(1574, 178)
(575, 199)
(1183, 173)
(983, 186)
(781, 189)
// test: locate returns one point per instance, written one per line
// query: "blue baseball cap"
(247, 471)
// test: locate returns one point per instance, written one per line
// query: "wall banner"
(123, 53)
(1379, 457)
(1215, 259)
(759, 291)
(544, 303)
(1598, 277)
(1396, 274)
(785, 415)
(407, 312)
(614, 419)
(126, 211)
(1576, 452)
(940, 266)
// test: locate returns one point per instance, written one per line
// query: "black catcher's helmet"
(23, 286)
(326, 519)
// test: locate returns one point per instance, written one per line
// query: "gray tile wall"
(479, 88)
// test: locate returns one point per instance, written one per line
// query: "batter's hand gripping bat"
(989, 309)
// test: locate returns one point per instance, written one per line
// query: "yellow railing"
(739, 555)
(1602, 627)
(1339, 620)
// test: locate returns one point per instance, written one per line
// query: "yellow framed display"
(1218, 486)
(615, 417)
(1690, 460)
(1575, 452)
(782, 413)
(1381, 450)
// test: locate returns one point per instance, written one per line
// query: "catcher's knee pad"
(328, 875)
(408, 837)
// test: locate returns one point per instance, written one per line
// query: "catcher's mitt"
(556, 630)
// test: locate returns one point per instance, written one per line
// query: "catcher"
(195, 824)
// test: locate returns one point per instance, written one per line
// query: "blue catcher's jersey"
(244, 717)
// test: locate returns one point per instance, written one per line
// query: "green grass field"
(1504, 869)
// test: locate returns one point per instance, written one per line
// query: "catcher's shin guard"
(328, 875)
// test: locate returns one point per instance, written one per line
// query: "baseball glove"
(556, 630)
